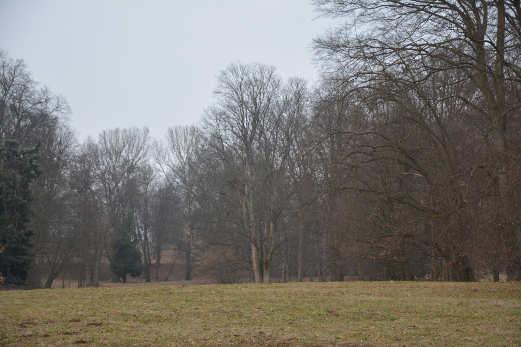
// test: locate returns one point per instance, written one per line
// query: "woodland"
(402, 163)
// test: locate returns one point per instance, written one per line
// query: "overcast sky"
(123, 63)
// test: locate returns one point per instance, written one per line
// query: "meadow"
(290, 314)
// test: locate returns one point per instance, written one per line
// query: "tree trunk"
(269, 230)
(50, 279)
(95, 279)
(170, 271)
(255, 262)
(300, 245)
(266, 272)
(146, 257)
(146, 243)
(323, 252)
(97, 259)
(54, 272)
(248, 222)
(285, 258)
(157, 265)
(188, 260)
(496, 275)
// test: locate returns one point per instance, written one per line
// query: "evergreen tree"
(126, 259)
(17, 170)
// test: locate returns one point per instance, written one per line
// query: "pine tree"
(126, 259)
(17, 170)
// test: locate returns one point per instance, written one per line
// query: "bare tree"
(477, 39)
(183, 144)
(121, 155)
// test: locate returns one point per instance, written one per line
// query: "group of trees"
(433, 131)
(404, 162)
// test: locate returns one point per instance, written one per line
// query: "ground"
(300, 314)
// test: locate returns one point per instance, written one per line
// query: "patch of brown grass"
(292, 314)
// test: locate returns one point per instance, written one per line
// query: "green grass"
(366, 313)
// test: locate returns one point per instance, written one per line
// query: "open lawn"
(350, 313)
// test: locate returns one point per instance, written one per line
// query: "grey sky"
(123, 63)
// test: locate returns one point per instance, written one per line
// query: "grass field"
(309, 314)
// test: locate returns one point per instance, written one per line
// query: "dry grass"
(310, 314)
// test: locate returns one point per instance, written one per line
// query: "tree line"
(403, 162)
